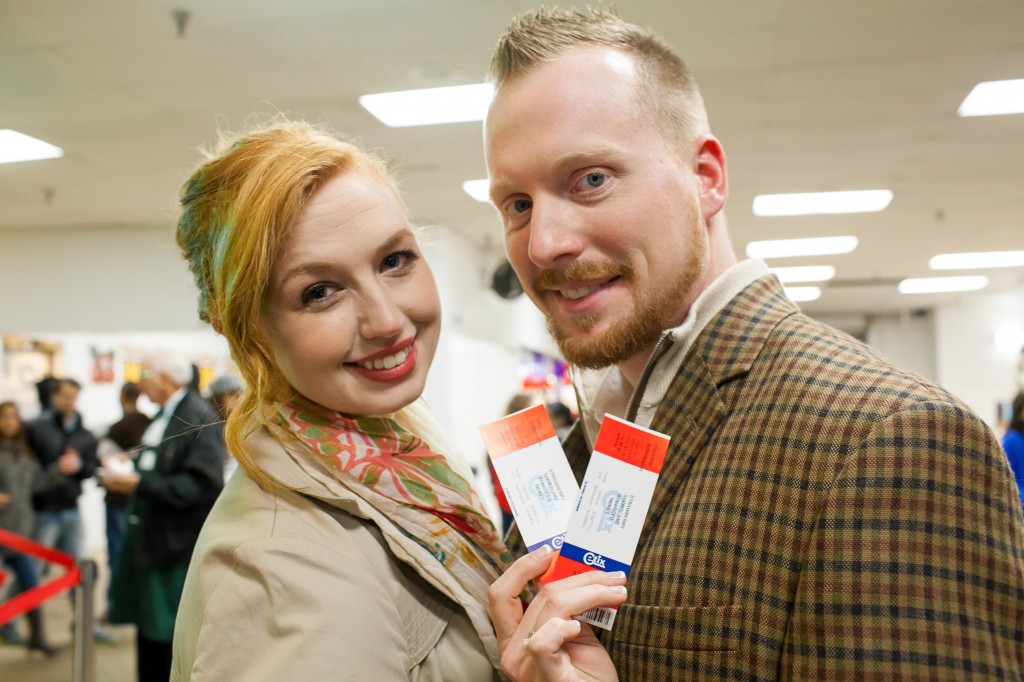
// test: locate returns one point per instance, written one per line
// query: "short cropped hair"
(668, 96)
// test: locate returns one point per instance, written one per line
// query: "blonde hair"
(668, 96)
(237, 208)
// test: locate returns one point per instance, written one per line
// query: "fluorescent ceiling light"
(815, 246)
(452, 104)
(805, 273)
(803, 293)
(15, 146)
(992, 98)
(816, 203)
(478, 189)
(977, 260)
(938, 285)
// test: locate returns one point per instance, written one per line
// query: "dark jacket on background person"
(48, 438)
(165, 514)
(180, 491)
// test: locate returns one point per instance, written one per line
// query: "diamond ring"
(526, 641)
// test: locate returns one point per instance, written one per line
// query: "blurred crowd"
(160, 472)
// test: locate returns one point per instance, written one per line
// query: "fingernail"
(618, 575)
(618, 589)
(544, 549)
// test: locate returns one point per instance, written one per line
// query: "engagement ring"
(526, 641)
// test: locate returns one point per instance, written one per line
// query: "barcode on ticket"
(601, 617)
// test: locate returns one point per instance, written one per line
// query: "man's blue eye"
(595, 179)
(521, 205)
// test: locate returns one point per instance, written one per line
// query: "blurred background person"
(561, 418)
(58, 437)
(178, 475)
(1013, 442)
(20, 477)
(117, 451)
(224, 392)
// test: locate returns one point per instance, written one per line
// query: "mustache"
(579, 271)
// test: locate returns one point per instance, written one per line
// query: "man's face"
(155, 385)
(601, 216)
(64, 400)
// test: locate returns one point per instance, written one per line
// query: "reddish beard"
(637, 330)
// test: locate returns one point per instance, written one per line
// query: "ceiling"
(806, 95)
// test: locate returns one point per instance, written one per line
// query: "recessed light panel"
(818, 203)
(978, 260)
(993, 98)
(941, 285)
(814, 246)
(803, 293)
(805, 273)
(478, 189)
(454, 104)
(15, 146)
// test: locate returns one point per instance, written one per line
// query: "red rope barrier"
(30, 599)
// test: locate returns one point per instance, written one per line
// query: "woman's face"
(352, 312)
(10, 423)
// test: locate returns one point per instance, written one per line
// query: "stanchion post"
(82, 667)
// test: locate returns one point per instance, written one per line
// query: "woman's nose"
(380, 316)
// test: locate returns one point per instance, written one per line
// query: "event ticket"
(534, 474)
(605, 527)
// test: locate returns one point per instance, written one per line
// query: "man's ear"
(709, 165)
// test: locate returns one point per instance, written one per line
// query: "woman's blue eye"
(594, 178)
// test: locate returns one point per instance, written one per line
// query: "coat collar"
(693, 407)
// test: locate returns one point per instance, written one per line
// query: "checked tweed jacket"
(821, 515)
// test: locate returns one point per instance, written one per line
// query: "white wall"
(978, 350)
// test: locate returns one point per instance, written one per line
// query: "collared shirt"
(156, 429)
(606, 390)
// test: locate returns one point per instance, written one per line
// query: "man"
(177, 479)
(821, 513)
(59, 439)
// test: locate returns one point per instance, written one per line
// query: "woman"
(20, 477)
(1013, 442)
(347, 546)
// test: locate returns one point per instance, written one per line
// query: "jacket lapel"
(693, 406)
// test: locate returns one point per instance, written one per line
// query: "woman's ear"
(709, 165)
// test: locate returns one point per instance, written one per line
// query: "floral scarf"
(412, 485)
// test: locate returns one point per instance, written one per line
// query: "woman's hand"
(545, 642)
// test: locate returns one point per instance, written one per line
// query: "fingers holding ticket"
(544, 641)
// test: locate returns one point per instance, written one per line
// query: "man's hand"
(70, 463)
(125, 484)
(545, 642)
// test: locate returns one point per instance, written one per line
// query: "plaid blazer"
(821, 515)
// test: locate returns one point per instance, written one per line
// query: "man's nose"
(555, 233)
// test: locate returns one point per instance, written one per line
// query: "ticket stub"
(534, 474)
(605, 527)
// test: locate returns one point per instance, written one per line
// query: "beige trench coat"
(297, 587)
